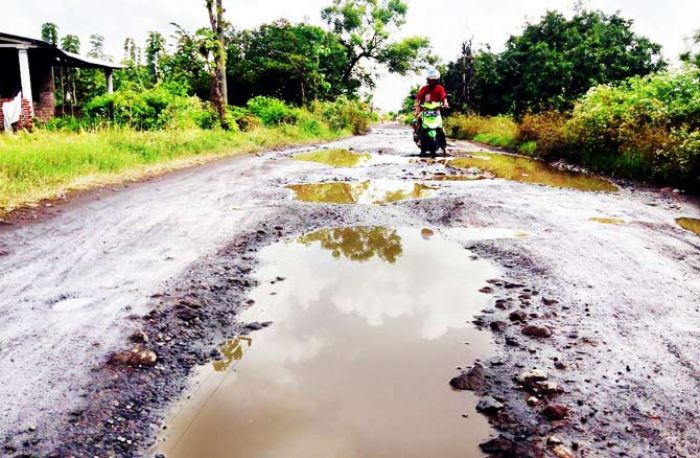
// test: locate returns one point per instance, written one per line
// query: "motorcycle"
(430, 135)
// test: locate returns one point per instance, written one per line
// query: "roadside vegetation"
(587, 90)
(207, 93)
(71, 154)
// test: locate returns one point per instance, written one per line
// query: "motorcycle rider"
(433, 91)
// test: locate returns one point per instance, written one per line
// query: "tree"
(557, 60)
(365, 28)
(459, 78)
(214, 44)
(49, 33)
(97, 46)
(293, 62)
(155, 48)
(188, 65)
(70, 43)
(692, 56)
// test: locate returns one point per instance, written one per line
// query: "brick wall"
(25, 121)
(43, 86)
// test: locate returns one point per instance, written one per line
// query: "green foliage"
(272, 111)
(365, 29)
(555, 61)
(46, 163)
(49, 33)
(498, 131)
(292, 62)
(543, 133)
(646, 128)
(158, 108)
(345, 114)
(652, 122)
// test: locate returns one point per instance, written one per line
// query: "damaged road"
(111, 304)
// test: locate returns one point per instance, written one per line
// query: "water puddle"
(689, 224)
(611, 221)
(334, 157)
(377, 192)
(530, 171)
(368, 328)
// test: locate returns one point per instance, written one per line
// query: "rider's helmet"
(432, 75)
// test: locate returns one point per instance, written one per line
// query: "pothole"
(368, 328)
(527, 170)
(689, 224)
(334, 157)
(376, 192)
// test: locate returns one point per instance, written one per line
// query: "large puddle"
(689, 224)
(376, 192)
(530, 171)
(369, 326)
(334, 157)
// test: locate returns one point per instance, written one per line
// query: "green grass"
(43, 164)
(495, 139)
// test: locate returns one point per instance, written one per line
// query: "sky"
(446, 22)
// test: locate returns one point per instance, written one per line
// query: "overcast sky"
(445, 22)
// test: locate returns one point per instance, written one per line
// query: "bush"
(543, 133)
(345, 114)
(272, 111)
(498, 131)
(149, 109)
(645, 127)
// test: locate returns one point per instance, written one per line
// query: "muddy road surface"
(352, 300)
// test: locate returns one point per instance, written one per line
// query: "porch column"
(109, 74)
(25, 77)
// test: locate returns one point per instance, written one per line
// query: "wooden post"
(25, 77)
(109, 75)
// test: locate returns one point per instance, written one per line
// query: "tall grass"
(45, 164)
(500, 131)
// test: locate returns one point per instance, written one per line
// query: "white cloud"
(446, 22)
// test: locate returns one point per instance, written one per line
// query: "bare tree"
(467, 72)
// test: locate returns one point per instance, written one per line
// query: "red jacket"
(431, 94)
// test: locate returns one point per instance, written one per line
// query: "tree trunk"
(222, 43)
(218, 74)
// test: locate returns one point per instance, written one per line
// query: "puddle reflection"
(232, 351)
(376, 192)
(610, 221)
(357, 361)
(530, 171)
(358, 243)
(689, 224)
(334, 157)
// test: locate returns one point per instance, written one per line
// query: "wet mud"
(582, 339)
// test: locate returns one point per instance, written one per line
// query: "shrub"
(345, 114)
(149, 109)
(544, 133)
(498, 131)
(645, 127)
(272, 111)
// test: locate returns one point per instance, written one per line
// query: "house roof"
(61, 57)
